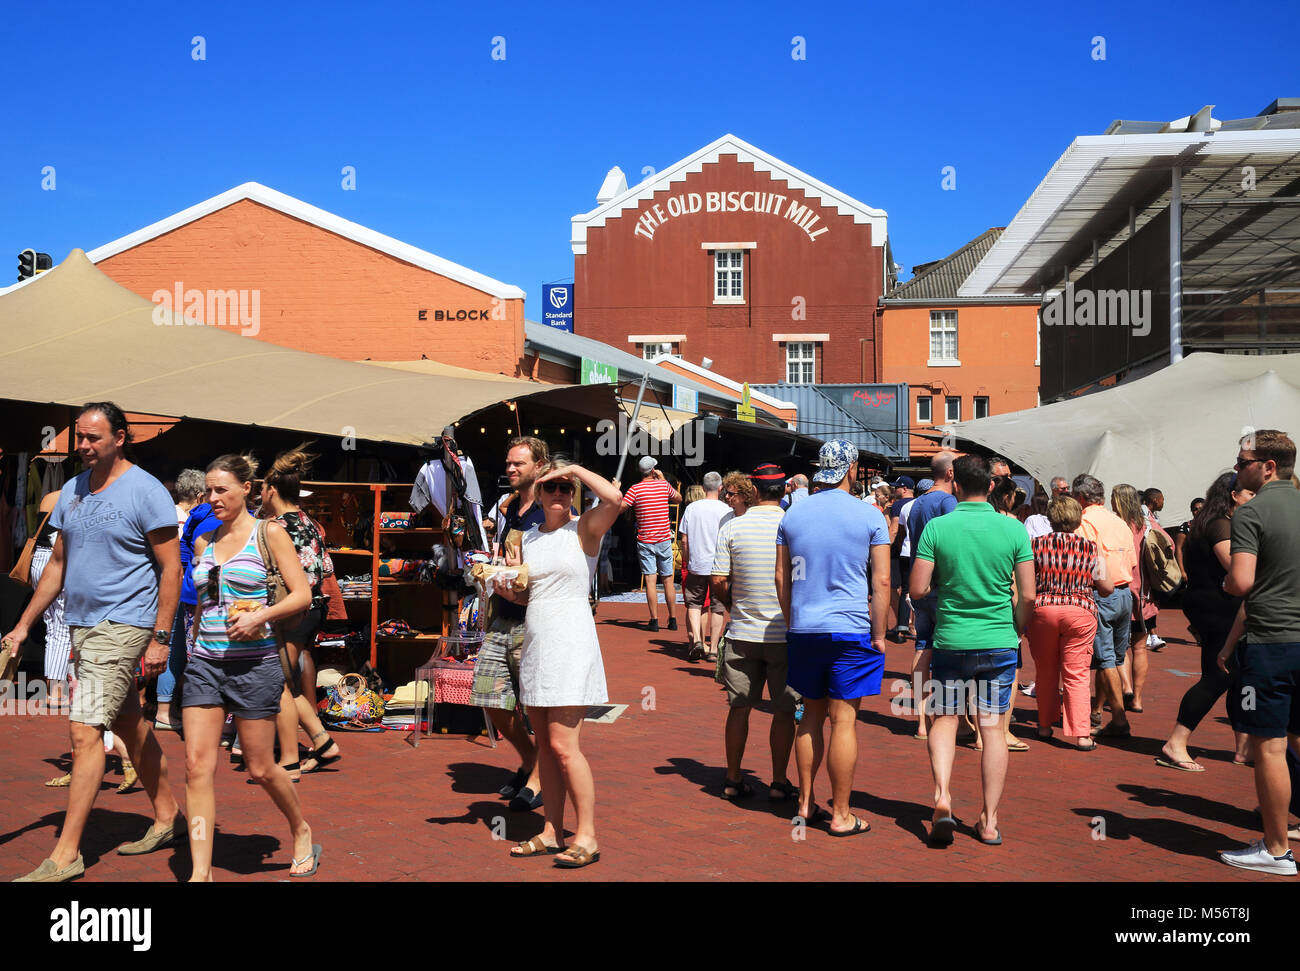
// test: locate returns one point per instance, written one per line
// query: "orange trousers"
(1060, 639)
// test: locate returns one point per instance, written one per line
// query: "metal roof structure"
(1240, 189)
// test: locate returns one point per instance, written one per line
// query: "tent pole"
(627, 439)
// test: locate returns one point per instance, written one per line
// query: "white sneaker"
(1155, 642)
(1257, 857)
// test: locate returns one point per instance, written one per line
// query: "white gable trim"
(298, 209)
(744, 152)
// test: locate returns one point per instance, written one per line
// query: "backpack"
(1160, 568)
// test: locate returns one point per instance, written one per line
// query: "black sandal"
(290, 767)
(743, 790)
(320, 758)
(787, 789)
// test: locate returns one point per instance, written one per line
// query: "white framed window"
(801, 362)
(981, 406)
(656, 350)
(924, 409)
(943, 338)
(729, 276)
(952, 408)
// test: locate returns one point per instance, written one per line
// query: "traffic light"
(31, 263)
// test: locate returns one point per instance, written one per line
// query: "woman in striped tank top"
(235, 666)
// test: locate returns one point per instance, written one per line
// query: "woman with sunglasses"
(235, 663)
(560, 668)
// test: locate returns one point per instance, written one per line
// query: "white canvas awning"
(73, 335)
(1174, 430)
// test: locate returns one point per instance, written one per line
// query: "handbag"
(353, 702)
(276, 590)
(22, 571)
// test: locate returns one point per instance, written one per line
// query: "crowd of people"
(789, 584)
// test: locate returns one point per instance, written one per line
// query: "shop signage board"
(557, 306)
(598, 372)
(686, 399)
(745, 411)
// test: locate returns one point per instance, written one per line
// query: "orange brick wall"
(323, 293)
(995, 344)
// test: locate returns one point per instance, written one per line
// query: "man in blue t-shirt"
(117, 558)
(832, 562)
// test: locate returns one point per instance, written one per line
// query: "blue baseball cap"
(834, 460)
(904, 482)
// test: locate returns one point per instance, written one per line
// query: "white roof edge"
(736, 386)
(746, 153)
(1078, 161)
(271, 198)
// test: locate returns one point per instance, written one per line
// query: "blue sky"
(484, 161)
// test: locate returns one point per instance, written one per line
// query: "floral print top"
(309, 541)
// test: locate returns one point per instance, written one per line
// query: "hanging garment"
(20, 530)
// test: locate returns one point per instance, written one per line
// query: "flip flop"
(315, 862)
(995, 841)
(1188, 766)
(1018, 747)
(858, 827)
(941, 831)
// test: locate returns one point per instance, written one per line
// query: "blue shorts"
(1263, 702)
(656, 558)
(925, 612)
(1114, 617)
(840, 666)
(987, 676)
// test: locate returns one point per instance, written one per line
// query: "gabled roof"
(744, 152)
(939, 279)
(298, 209)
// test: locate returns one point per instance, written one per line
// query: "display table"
(450, 682)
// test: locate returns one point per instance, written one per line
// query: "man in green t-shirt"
(970, 558)
(1265, 569)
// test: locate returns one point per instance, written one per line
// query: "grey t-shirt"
(1269, 527)
(109, 571)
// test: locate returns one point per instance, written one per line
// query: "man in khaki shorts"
(117, 557)
(744, 576)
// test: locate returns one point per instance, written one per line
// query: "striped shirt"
(650, 497)
(747, 552)
(1063, 568)
(242, 577)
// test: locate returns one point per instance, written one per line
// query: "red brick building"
(734, 256)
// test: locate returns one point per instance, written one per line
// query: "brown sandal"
(580, 857)
(534, 847)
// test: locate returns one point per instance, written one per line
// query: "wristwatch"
(162, 636)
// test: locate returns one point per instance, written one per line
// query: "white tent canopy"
(1175, 430)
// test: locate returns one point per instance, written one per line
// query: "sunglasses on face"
(564, 487)
(1245, 463)
(729, 494)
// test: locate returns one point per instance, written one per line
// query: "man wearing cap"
(698, 534)
(832, 561)
(903, 494)
(654, 544)
(744, 575)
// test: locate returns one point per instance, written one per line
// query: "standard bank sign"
(557, 305)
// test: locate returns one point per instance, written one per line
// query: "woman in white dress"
(560, 670)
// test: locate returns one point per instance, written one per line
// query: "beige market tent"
(1175, 429)
(74, 335)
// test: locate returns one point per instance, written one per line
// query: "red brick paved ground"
(396, 813)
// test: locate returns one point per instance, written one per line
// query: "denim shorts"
(656, 557)
(1265, 703)
(248, 688)
(1110, 643)
(985, 675)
